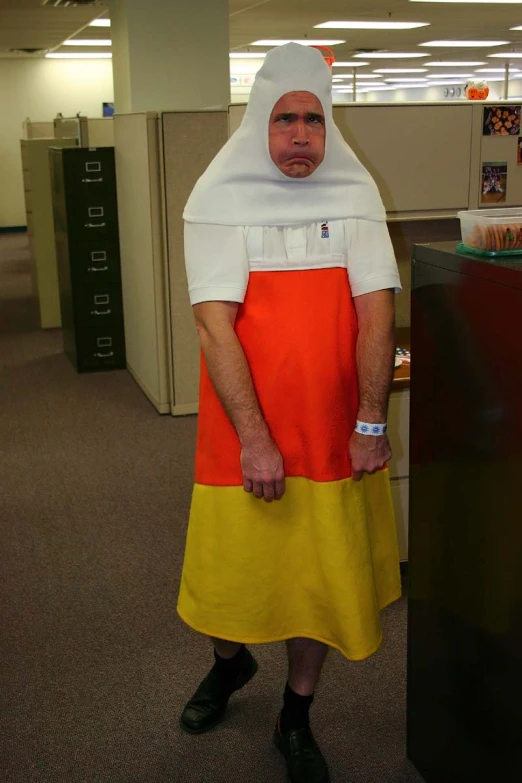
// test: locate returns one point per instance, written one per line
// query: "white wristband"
(363, 428)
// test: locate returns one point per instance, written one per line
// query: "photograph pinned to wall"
(501, 121)
(108, 109)
(519, 155)
(494, 183)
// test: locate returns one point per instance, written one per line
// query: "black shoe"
(208, 705)
(304, 761)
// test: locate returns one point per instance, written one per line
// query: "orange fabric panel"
(299, 332)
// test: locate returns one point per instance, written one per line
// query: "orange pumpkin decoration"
(476, 91)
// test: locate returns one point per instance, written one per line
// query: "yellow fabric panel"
(320, 564)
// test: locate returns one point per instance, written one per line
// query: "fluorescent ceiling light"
(349, 87)
(464, 44)
(450, 75)
(401, 70)
(496, 79)
(373, 25)
(516, 28)
(302, 41)
(358, 75)
(496, 70)
(401, 79)
(246, 55)
(79, 55)
(384, 89)
(507, 55)
(454, 64)
(348, 63)
(88, 42)
(430, 84)
(100, 23)
(444, 83)
(391, 55)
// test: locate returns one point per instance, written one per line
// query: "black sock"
(296, 711)
(227, 669)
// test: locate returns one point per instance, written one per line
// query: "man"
(291, 275)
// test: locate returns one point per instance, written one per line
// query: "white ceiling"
(29, 24)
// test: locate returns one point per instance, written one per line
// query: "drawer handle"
(97, 268)
(101, 312)
(100, 179)
(104, 355)
(95, 225)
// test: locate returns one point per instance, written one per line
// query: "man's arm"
(375, 363)
(261, 460)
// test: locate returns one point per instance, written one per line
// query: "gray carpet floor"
(95, 664)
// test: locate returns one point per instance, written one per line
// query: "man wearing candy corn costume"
(292, 277)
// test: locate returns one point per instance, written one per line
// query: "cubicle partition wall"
(159, 157)
(90, 131)
(143, 261)
(71, 127)
(426, 159)
(37, 130)
(189, 142)
(100, 132)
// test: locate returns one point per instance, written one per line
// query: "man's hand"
(262, 466)
(368, 453)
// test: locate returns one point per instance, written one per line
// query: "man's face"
(296, 134)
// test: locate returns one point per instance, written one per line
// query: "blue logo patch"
(325, 233)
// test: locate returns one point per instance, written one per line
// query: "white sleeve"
(216, 262)
(371, 258)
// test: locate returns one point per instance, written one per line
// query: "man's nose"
(300, 134)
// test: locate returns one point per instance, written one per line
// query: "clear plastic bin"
(492, 231)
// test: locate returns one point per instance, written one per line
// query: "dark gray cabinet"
(465, 553)
(87, 250)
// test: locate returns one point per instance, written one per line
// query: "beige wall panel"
(190, 141)
(419, 156)
(101, 131)
(142, 264)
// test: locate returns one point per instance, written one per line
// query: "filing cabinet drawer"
(98, 304)
(91, 220)
(100, 349)
(95, 262)
(93, 169)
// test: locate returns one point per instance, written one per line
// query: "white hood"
(243, 186)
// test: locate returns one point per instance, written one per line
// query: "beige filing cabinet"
(399, 466)
(40, 226)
